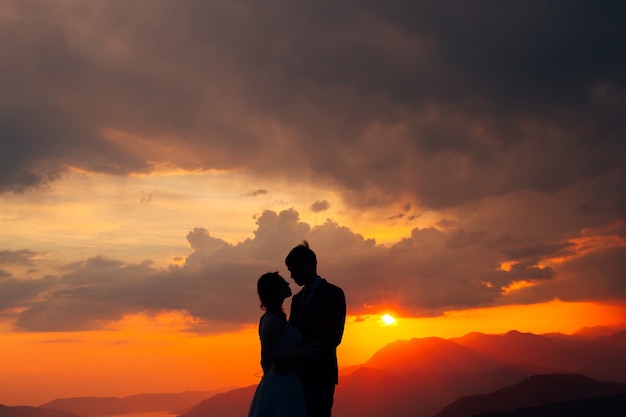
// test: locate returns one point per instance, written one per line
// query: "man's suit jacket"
(323, 321)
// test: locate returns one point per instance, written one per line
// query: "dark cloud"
(423, 274)
(16, 293)
(447, 103)
(319, 206)
(259, 192)
(508, 118)
(17, 257)
(595, 275)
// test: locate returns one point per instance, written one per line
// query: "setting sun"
(388, 319)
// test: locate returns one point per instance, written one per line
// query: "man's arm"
(294, 317)
(333, 317)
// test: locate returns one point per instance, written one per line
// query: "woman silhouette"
(279, 394)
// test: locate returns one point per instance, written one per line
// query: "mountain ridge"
(606, 406)
(534, 391)
(29, 411)
(100, 406)
(420, 377)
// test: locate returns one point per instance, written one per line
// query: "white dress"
(279, 394)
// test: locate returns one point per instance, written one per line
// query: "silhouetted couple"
(299, 355)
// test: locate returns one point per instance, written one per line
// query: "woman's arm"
(271, 351)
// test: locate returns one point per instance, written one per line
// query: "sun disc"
(388, 319)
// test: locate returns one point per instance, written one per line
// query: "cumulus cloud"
(427, 273)
(447, 104)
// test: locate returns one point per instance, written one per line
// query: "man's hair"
(301, 255)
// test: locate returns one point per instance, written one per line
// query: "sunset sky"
(458, 165)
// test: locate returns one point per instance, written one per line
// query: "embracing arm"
(331, 318)
(271, 352)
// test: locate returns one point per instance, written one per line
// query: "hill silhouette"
(601, 358)
(537, 390)
(597, 331)
(421, 377)
(618, 338)
(231, 403)
(609, 406)
(431, 354)
(27, 411)
(99, 406)
(369, 392)
(372, 392)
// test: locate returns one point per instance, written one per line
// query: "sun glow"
(365, 335)
(388, 319)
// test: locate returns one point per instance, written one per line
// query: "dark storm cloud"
(420, 275)
(447, 102)
(508, 115)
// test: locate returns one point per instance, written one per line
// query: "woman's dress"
(279, 394)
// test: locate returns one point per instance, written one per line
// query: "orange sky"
(157, 157)
(142, 355)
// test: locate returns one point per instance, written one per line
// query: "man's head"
(302, 263)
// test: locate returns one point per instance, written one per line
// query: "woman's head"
(272, 289)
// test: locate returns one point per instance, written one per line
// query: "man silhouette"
(319, 312)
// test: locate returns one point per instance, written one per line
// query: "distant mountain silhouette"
(27, 411)
(372, 392)
(599, 359)
(614, 339)
(99, 406)
(598, 331)
(421, 377)
(512, 347)
(537, 390)
(610, 406)
(431, 354)
(235, 403)
(369, 392)
(347, 370)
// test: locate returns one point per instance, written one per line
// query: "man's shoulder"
(329, 287)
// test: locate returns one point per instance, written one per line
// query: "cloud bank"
(442, 102)
(432, 271)
(503, 121)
